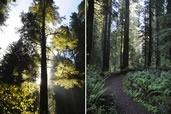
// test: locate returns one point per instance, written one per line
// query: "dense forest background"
(128, 49)
(130, 34)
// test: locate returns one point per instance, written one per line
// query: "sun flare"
(38, 79)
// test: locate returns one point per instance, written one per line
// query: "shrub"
(95, 93)
(149, 88)
(18, 99)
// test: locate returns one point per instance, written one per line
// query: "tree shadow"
(71, 101)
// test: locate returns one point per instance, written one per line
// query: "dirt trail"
(125, 105)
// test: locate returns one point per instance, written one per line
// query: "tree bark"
(121, 53)
(108, 37)
(170, 54)
(90, 18)
(145, 39)
(105, 41)
(150, 36)
(43, 85)
(121, 32)
(126, 36)
(169, 24)
(145, 53)
(157, 37)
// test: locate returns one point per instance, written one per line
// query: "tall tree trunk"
(43, 85)
(157, 36)
(90, 18)
(121, 33)
(108, 40)
(126, 36)
(145, 47)
(145, 53)
(105, 41)
(169, 23)
(150, 35)
(170, 54)
(121, 49)
(145, 39)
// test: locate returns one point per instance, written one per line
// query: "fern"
(95, 92)
(148, 87)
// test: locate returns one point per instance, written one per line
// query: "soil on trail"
(125, 105)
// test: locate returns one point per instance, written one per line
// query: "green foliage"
(3, 16)
(148, 88)
(78, 29)
(51, 101)
(52, 16)
(95, 92)
(3, 11)
(18, 99)
(165, 63)
(64, 39)
(19, 64)
(67, 76)
(31, 30)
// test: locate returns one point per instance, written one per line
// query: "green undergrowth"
(19, 99)
(151, 88)
(97, 102)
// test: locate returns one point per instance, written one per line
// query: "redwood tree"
(126, 36)
(90, 18)
(150, 35)
(43, 86)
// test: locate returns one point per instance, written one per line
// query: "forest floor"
(125, 105)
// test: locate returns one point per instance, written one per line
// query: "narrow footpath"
(125, 105)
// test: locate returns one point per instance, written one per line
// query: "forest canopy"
(46, 56)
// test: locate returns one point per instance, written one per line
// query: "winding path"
(125, 105)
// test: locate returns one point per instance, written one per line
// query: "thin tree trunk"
(121, 49)
(121, 44)
(145, 47)
(169, 23)
(170, 54)
(157, 37)
(108, 40)
(43, 85)
(126, 36)
(90, 18)
(145, 53)
(105, 41)
(150, 36)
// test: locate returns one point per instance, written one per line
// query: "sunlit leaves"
(64, 39)
(68, 83)
(66, 75)
(52, 15)
(51, 101)
(16, 99)
(65, 69)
